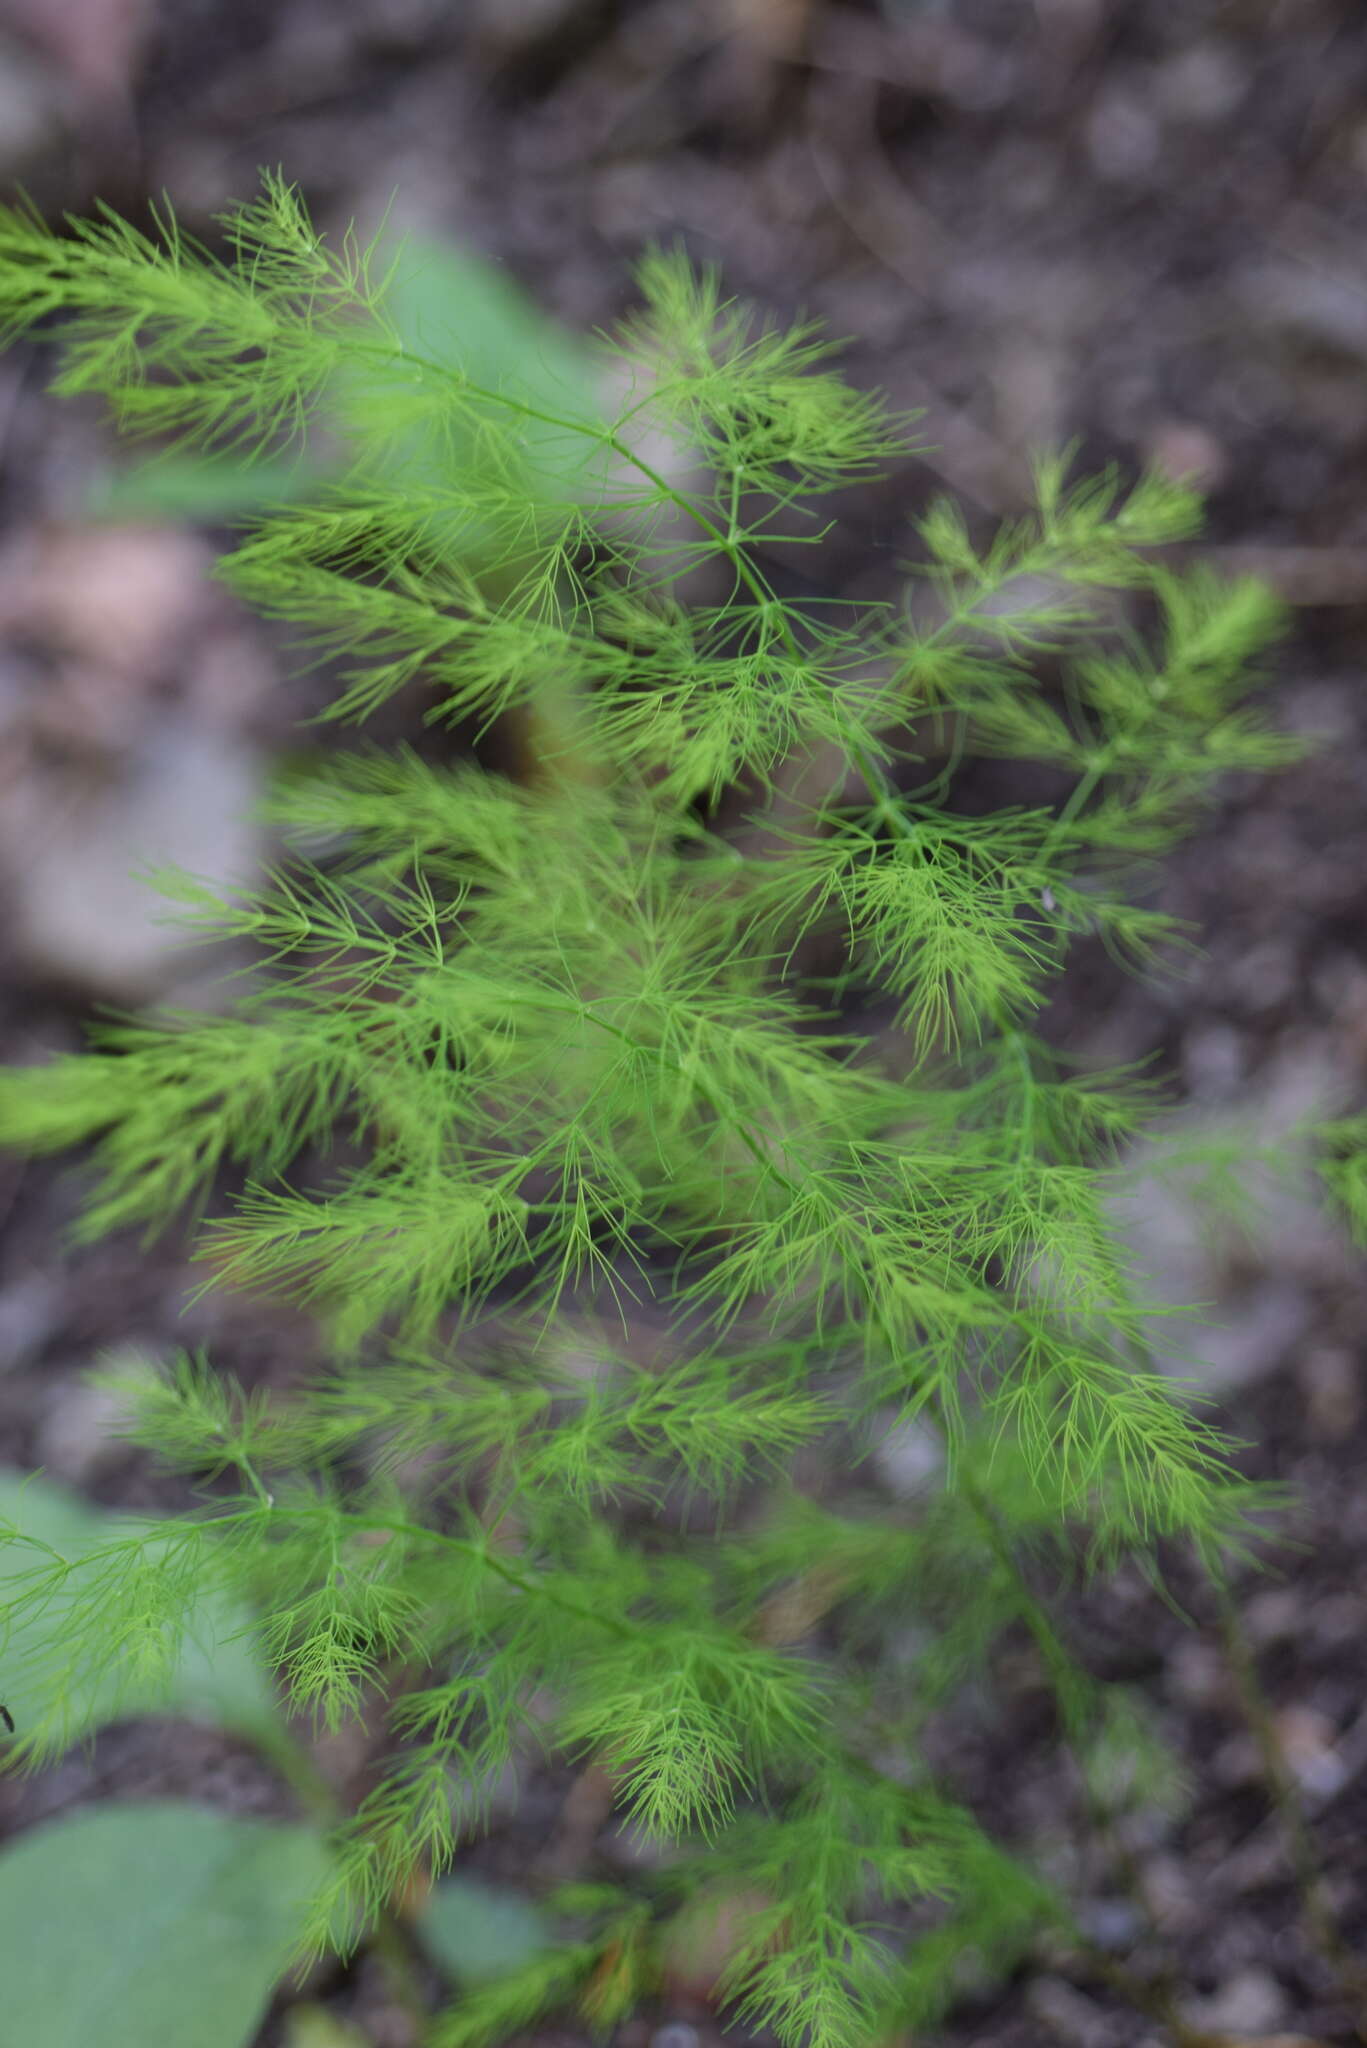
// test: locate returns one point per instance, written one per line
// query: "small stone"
(126, 595)
(1331, 1383)
(1252, 1345)
(1188, 453)
(30, 1313)
(1167, 1890)
(1214, 1059)
(74, 843)
(1264, 977)
(1196, 1674)
(907, 1458)
(1236, 1762)
(1309, 1742)
(1202, 84)
(1275, 1615)
(1113, 1924)
(79, 1436)
(1249, 2002)
(30, 106)
(1074, 2019)
(1123, 139)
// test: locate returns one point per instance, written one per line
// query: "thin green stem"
(1316, 1910)
(295, 1764)
(606, 437)
(1318, 1916)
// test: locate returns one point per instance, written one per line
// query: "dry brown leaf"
(795, 1610)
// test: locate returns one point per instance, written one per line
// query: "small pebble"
(1068, 2014)
(1189, 453)
(1249, 2002)
(30, 1314)
(79, 1437)
(1112, 1924)
(1309, 1742)
(1202, 84)
(1123, 138)
(1331, 1381)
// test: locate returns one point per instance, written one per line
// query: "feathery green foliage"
(508, 1045)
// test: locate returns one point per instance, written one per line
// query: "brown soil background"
(1137, 225)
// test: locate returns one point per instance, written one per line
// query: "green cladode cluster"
(579, 1037)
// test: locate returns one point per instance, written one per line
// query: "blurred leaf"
(201, 487)
(142, 1923)
(447, 304)
(219, 1681)
(461, 311)
(479, 1932)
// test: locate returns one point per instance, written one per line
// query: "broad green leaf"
(448, 304)
(459, 310)
(221, 1679)
(479, 1932)
(202, 487)
(140, 1924)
